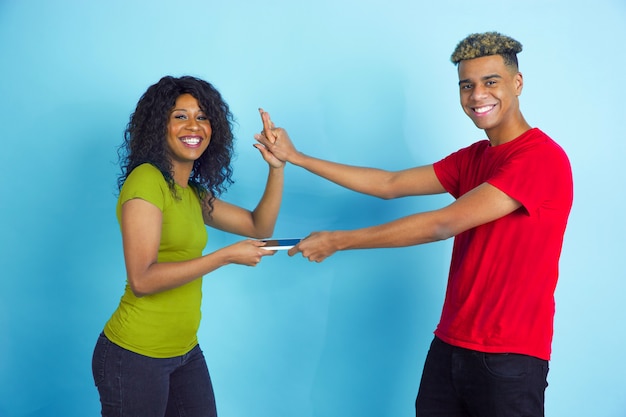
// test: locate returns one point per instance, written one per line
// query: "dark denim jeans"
(133, 385)
(459, 382)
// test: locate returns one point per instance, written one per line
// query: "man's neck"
(503, 134)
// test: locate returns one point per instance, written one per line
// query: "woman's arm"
(260, 222)
(141, 235)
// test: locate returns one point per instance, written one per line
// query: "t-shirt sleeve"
(447, 172)
(533, 172)
(454, 170)
(537, 176)
(147, 183)
(519, 179)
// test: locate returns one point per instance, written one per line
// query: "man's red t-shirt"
(500, 293)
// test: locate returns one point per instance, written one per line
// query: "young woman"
(175, 162)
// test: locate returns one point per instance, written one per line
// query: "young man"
(513, 194)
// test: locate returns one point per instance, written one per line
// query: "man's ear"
(519, 83)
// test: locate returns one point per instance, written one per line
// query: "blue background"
(358, 81)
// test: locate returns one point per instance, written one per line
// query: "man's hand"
(275, 140)
(316, 247)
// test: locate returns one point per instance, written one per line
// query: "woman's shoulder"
(145, 181)
(145, 173)
(145, 169)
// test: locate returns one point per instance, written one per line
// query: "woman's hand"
(246, 252)
(277, 142)
(268, 132)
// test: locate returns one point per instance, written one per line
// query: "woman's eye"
(180, 116)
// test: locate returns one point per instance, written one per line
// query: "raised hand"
(276, 141)
(268, 132)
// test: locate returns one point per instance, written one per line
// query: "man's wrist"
(297, 159)
(340, 239)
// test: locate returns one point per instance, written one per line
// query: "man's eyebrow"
(485, 78)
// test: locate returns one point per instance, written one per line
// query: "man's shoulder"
(541, 140)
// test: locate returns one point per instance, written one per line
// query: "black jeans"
(133, 385)
(459, 382)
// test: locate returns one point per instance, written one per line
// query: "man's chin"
(482, 124)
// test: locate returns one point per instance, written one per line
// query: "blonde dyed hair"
(478, 45)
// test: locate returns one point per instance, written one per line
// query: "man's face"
(489, 91)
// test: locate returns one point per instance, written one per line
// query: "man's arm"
(482, 205)
(371, 181)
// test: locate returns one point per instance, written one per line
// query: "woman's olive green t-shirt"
(165, 324)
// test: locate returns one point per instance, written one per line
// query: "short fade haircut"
(478, 45)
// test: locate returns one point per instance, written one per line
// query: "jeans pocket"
(98, 360)
(506, 365)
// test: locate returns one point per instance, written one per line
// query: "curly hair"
(145, 137)
(489, 43)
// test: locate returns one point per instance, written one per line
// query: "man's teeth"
(483, 109)
(191, 141)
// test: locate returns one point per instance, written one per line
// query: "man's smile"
(480, 111)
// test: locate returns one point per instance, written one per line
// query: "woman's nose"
(193, 125)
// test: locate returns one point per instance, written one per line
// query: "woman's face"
(188, 130)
